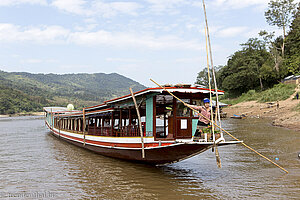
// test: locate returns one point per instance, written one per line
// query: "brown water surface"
(36, 165)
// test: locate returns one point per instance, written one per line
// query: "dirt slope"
(285, 116)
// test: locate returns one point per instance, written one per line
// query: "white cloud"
(94, 8)
(72, 6)
(188, 60)
(122, 60)
(17, 2)
(32, 61)
(162, 6)
(10, 33)
(43, 34)
(124, 39)
(37, 61)
(237, 4)
(114, 8)
(232, 31)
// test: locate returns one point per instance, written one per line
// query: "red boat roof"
(155, 90)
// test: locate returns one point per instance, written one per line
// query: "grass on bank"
(278, 93)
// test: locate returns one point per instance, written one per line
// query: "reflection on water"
(34, 161)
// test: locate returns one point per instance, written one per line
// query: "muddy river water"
(36, 165)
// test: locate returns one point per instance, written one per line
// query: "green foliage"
(264, 62)
(202, 78)
(278, 93)
(280, 12)
(247, 69)
(25, 92)
(14, 101)
(292, 55)
(209, 130)
(251, 95)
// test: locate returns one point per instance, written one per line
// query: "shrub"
(278, 93)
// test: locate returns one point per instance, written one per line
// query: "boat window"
(182, 110)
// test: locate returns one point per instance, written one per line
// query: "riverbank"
(283, 113)
(24, 114)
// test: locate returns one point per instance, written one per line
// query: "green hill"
(26, 92)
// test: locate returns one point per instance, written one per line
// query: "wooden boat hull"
(161, 155)
(155, 155)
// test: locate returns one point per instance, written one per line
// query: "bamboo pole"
(140, 123)
(213, 70)
(210, 91)
(222, 129)
(83, 124)
(215, 147)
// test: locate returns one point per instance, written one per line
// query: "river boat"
(111, 128)
(238, 116)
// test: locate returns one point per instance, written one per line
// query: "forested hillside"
(26, 92)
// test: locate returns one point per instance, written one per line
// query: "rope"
(222, 128)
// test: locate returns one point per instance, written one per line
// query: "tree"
(279, 14)
(272, 46)
(202, 78)
(292, 60)
(247, 69)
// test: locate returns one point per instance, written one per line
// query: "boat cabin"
(163, 117)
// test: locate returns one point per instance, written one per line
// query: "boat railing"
(125, 131)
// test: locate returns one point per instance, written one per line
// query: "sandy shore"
(285, 115)
(24, 114)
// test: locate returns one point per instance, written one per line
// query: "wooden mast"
(58, 120)
(51, 118)
(213, 72)
(83, 124)
(140, 123)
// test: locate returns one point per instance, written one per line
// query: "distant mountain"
(26, 92)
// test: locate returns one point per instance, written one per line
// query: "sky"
(140, 39)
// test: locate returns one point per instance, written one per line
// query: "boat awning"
(56, 109)
(160, 90)
(63, 111)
